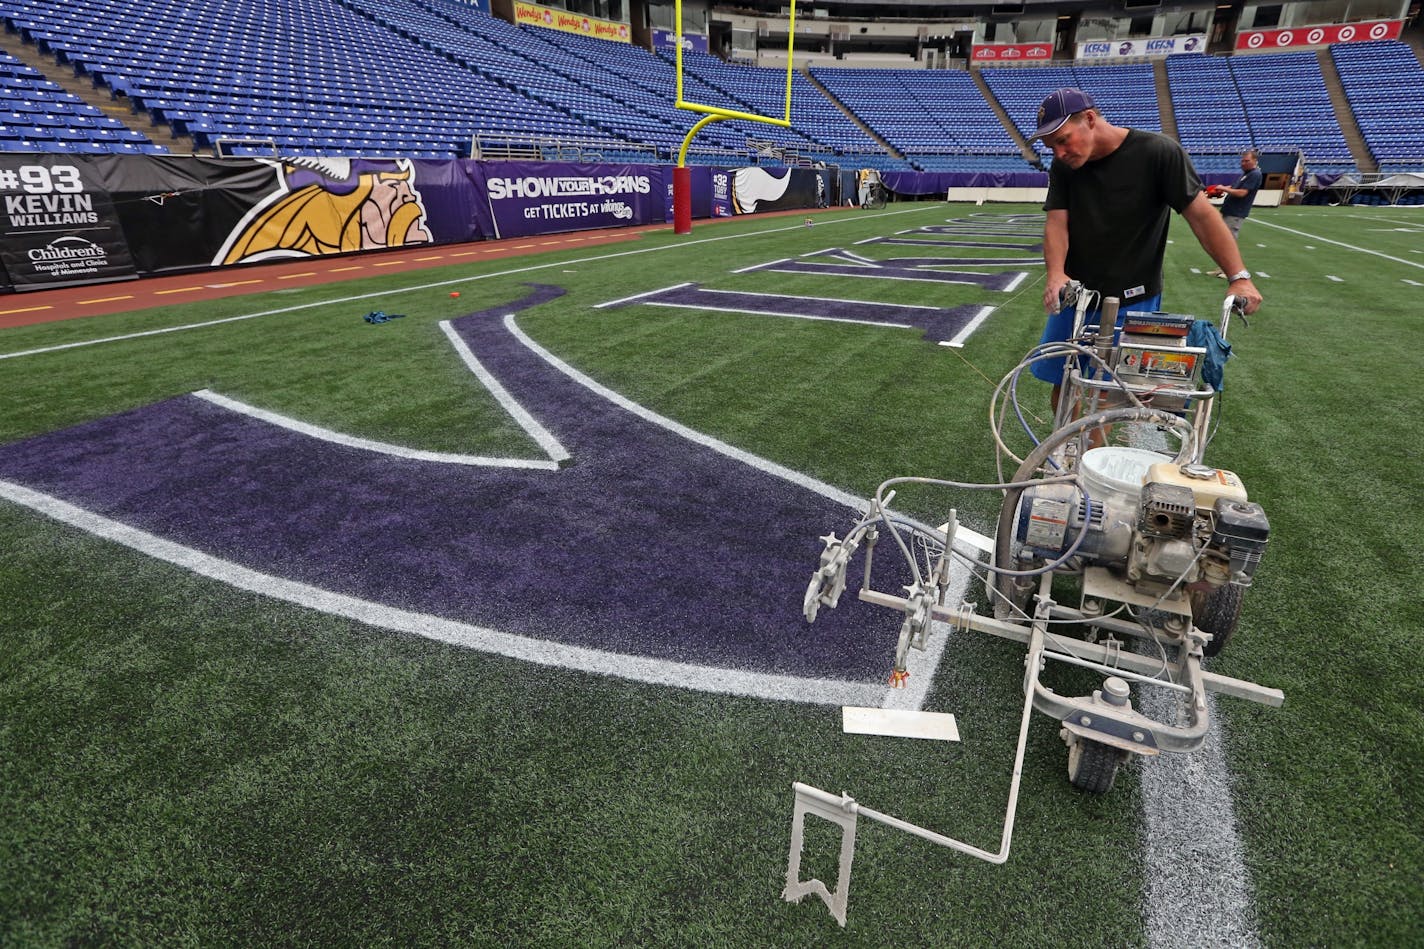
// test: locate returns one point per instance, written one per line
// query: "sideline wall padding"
(77, 219)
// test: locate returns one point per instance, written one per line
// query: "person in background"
(866, 180)
(1239, 197)
(1110, 194)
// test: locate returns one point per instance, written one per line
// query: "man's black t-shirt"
(1118, 213)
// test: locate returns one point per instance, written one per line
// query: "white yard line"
(541, 435)
(970, 327)
(1198, 890)
(1385, 220)
(1327, 240)
(366, 444)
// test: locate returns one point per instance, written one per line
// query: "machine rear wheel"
(1092, 765)
(1217, 613)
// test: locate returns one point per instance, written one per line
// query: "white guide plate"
(898, 723)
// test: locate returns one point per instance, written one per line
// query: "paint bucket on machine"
(1116, 472)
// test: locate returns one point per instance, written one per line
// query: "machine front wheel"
(1092, 765)
(1218, 612)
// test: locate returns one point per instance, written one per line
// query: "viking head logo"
(331, 206)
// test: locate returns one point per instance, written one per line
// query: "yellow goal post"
(682, 181)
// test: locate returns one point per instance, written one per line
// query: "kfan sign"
(1146, 46)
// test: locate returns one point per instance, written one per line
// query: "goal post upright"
(682, 175)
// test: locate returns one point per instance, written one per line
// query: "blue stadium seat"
(431, 75)
(1383, 82)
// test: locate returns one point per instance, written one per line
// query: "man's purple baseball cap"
(1059, 107)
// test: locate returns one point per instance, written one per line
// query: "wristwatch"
(1240, 275)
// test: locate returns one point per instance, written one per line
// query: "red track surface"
(44, 306)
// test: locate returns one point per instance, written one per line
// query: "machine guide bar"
(1142, 665)
(844, 810)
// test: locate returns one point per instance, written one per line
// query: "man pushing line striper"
(1109, 193)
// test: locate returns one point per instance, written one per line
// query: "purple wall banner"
(528, 198)
(721, 185)
(667, 39)
(455, 207)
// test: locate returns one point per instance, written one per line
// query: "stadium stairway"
(816, 84)
(50, 67)
(1344, 114)
(1025, 149)
(1413, 37)
(1164, 99)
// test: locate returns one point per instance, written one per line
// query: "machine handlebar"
(1074, 292)
(1232, 306)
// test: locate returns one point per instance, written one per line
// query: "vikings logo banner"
(331, 206)
(182, 213)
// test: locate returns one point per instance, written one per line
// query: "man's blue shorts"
(1060, 326)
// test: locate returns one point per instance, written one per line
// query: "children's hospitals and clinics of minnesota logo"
(330, 206)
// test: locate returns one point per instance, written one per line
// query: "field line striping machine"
(1156, 547)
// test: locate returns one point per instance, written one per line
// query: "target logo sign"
(1319, 35)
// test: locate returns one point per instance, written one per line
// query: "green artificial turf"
(185, 763)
